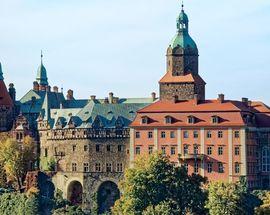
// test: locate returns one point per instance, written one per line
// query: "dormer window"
(215, 119)
(191, 120)
(168, 120)
(145, 120)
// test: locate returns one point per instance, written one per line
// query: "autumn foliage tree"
(155, 186)
(16, 159)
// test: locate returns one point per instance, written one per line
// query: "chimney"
(153, 94)
(106, 100)
(35, 86)
(115, 100)
(221, 98)
(175, 99)
(70, 95)
(12, 92)
(93, 97)
(55, 89)
(196, 100)
(245, 101)
(110, 97)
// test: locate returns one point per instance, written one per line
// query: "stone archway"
(74, 192)
(108, 193)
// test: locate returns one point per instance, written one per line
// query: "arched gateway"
(74, 192)
(108, 193)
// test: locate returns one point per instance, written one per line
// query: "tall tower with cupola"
(182, 80)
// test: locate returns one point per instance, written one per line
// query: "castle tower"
(42, 79)
(182, 80)
(6, 105)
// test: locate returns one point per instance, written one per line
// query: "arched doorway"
(74, 193)
(108, 193)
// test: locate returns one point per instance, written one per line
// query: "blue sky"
(98, 46)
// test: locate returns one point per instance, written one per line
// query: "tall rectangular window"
(209, 150)
(109, 148)
(85, 148)
(46, 152)
(185, 149)
(195, 134)
(163, 150)
(163, 134)
(172, 134)
(209, 167)
(196, 149)
(74, 148)
(237, 168)
(119, 167)
(220, 150)
(86, 167)
(185, 134)
(150, 150)
(236, 150)
(108, 167)
(98, 167)
(150, 134)
(209, 134)
(236, 134)
(196, 167)
(120, 148)
(138, 150)
(97, 148)
(74, 167)
(173, 150)
(220, 168)
(137, 135)
(220, 134)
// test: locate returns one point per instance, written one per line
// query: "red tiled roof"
(5, 99)
(231, 113)
(189, 78)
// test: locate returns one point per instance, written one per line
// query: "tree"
(164, 208)
(154, 182)
(265, 207)
(16, 158)
(230, 198)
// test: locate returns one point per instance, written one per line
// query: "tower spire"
(41, 57)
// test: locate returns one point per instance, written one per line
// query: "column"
(230, 153)
(243, 152)
(131, 146)
(202, 135)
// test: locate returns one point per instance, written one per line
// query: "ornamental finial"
(41, 56)
(182, 5)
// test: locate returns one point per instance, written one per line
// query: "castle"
(88, 143)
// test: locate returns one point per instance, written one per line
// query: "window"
(74, 167)
(108, 167)
(163, 150)
(138, 150)
(163, 134)
(137, 135)
(236, 134)
(186, 166)
(209, 150)
(196, 167)
(119, 167)
(97, 167)
(109, 148)
(172, 134)
(215, 119)
(172, 150)
(120, 148)
(185, 134)
(150, 134)
(220, 150)
(209, 134)
(74, 148)
(185, 149)
(46, 152)
(220, 168)
(236, 150)
(196, 150)
(220, 134)
(86, 167)
(85, 148)
(150, 150)
(97, 148)
(209, 167)
(144, 120)
(195, 134)
(191, 119)
(237, 168)
(266, 159)
(168, 120)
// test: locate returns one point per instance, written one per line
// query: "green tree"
(154, 181)
(265, 207)
(16, 158)
(230, 198)
(164, 208)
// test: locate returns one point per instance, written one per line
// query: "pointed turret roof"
(46, 113)
(42, 78)
(5, 99)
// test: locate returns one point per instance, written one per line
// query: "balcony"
(191, 157)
